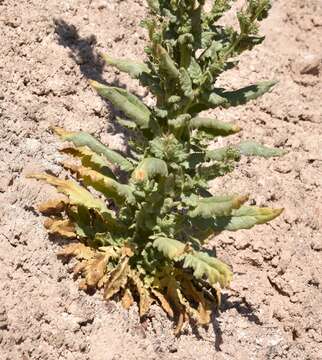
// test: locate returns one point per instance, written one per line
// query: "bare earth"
(48, 51)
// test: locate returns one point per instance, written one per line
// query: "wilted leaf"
(52, 207)
(91, 159)
(95, 268)
(117, 279)
(204, 306)
(81, 139)
(109, 187)
(60, 227)
(127, 299)
(163, 301)
(78, 195)
(251, 148)
(79, 250)
(145, 298)
(173, 293)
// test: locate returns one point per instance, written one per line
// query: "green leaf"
(213, 126)
(208, 268)
(150, 168)
(166, 64)
(223, 154)
(194, 71)
(185, 83)
(217, 206)
(154, 5)
(134, 68)
(251, 148)
(245, 218)
(91, 159)
(85, 139)
(243, 95)
(170, 248)
(129, 104)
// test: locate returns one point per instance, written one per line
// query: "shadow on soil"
(90, 64)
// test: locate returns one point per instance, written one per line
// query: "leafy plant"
(141, 232)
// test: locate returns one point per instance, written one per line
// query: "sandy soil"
(47, 51)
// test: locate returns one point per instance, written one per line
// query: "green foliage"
(141, 232)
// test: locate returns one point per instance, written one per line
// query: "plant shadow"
(91, 65)
(243, 308)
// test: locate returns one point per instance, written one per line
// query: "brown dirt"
(274, 308)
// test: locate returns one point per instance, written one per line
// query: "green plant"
(142, 238)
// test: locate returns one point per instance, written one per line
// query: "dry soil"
(48, 50)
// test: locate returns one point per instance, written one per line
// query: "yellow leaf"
(60, 227)
(78, 195)
(117, 279)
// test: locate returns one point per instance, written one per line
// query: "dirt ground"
(48, 50)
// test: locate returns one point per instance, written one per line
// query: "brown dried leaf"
(145, 298)
(117, 279)
(176, 297)
(127, 299)
(52, 207)
(77, 249)
(95, 269)
(60, 227)
(163, 301)
(204, 307)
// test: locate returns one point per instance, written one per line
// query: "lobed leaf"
(117, 279)
(170, 248)
(209, 268)
(60, 227)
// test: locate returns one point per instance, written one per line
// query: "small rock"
(309, 64)
(3, 318)
(316, 244)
